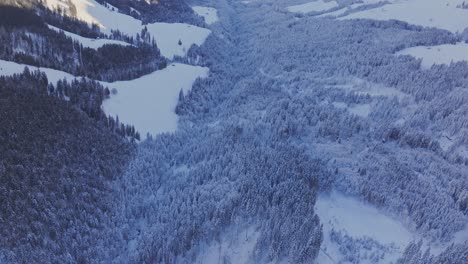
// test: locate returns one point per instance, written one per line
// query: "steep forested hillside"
(56, 167)
(27, 39)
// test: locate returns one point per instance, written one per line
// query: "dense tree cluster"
(414, 254)
(192, 189)
(56, 169)
(302, 78)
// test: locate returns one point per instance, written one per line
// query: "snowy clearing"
(444, 14)
(362, 110)
(236, 246)
(168, 35)
(362, 87)
(442, 54)
(359, 220)
(208, 13)
(89, 42)
(107, 19)
(148, 102)
(8, 68)
(317, 6)
(336, 13)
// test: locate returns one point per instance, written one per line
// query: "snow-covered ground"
(362, 87)
(236, 246)
(168, 35)
(210, 14)
(316, 6)
(362, 110)
(149, 102)
(107, 19)
(8, 68)
(442, 54)
(444, 14)
(336, 13)
(359, 220)
(89, 42)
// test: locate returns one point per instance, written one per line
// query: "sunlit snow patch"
(442, 54)
(175, 39)
(89, 42)
(373, 236)
(107, 19)
(444, 14)
(208, 13)
(149, 102)
(317, 6)
(172, 39)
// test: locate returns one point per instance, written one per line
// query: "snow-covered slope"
(353, 227)
(236, 246)
(149, 102)
(168, 35)
(444, 14)
(442, 54)
(8, 68)
(89, 42)
(107, 19)
(210, 14)
(317, 6)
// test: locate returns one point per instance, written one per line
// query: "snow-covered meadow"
(173, 39)
(357, 222)
(8, 68)
(444, 14)
(149, 102)
(90, 42)
(316, 6)
(209, 14)
(440, 54)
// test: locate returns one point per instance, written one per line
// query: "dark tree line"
(56, 165)
(26, 39)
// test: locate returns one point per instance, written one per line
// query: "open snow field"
(442, 54)
(107, 19)
(167, 35)
(444, 14)
(317, 6)
(147, 102)
(8, 68)
(235, 246)
(359, 220)
(208, 13)
(89, 42)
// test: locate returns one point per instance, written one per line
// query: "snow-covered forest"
(229, 131)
